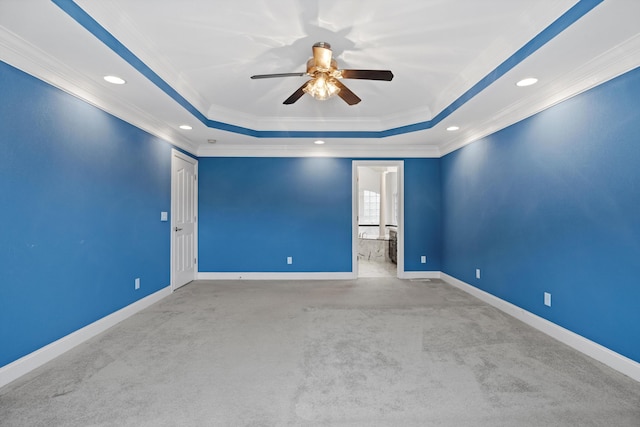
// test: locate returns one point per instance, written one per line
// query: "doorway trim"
(399, 164)
(175, 154)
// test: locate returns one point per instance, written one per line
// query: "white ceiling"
(455, 62)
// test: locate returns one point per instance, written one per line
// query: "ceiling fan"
(325, 77)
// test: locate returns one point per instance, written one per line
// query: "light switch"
(164, 216)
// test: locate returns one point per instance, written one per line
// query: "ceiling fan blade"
(346, 94)
(385, 75)
(322, 55)
(270, 76)
(295, 95)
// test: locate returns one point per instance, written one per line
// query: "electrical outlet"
(423, 259)
(289, 260)
(137, 283)
(547, 299)
(477, 273)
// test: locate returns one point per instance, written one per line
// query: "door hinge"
(195, 260)
(195, 177)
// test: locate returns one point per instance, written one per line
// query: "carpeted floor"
(367, 352)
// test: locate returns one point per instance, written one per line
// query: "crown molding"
(614, 62)
(22, 55)
(339, 150)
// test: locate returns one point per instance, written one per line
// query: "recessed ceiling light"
(527, 82)
(115, 80)
(453, 128)
(318, 142)
(185, 127)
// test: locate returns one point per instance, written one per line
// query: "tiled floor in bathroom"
(376, 269)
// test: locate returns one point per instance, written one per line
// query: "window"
(371, 208)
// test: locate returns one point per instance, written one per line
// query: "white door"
(183, 219)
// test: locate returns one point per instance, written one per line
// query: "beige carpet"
(368, 352)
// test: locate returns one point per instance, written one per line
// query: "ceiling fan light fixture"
(321, 87)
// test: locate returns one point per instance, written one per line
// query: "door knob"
(178, 229)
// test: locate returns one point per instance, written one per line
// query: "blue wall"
(547, 205)
(423, 214)
(254, 212)
(552, 204)
(81, 195)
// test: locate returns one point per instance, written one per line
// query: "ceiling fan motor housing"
(322, 57)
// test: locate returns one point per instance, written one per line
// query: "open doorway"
(378, 206)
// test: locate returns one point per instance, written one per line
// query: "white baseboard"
(308, 276)
(419, 275)
(276, 276)
(592, 349)
(31, 361)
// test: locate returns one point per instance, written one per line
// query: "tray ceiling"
(189, 62)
